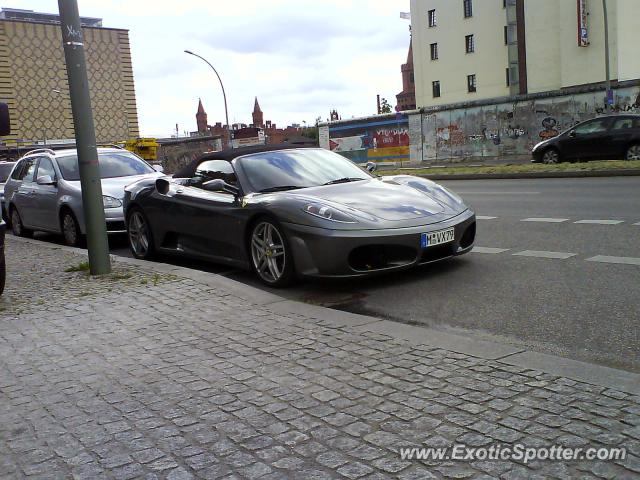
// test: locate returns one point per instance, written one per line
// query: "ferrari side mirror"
(371, 167)
(219, 185)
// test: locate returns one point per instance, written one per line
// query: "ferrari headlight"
(328, 213)
(110, 202)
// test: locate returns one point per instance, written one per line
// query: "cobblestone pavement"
(179, 380)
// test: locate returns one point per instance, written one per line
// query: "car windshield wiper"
(344, 180)
(280, 188)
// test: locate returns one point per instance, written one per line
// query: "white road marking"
(545, 254)
(601, 222)
(488, 250)
(607, 259)
(545, 219)
(637, 223)
(484, 217)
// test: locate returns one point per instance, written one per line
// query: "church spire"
(258, 120)
(201, 118)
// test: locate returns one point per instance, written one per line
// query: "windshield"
(112, 164)
(290, 169)
(5, 170)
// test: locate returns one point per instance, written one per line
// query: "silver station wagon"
(43, 192)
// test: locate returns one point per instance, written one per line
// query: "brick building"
(406, 99)
(267, 132)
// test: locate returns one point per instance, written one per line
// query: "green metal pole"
(73, 43)
(606, 53)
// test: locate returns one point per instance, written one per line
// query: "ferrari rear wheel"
(139, 233)
(270, 255)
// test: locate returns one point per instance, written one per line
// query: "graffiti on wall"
(510, 128)
(387, 140)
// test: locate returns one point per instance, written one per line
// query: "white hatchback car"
(43, 191)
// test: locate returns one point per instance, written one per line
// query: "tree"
(384, 106)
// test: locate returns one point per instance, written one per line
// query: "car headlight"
(111, 202)
(328, 213)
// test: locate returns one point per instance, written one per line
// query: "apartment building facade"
(33, 79)
(466, 50)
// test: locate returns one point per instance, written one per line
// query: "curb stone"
(524, 175)
(620, 380)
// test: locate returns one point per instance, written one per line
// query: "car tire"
(633, 152)
(270, 255)
(70, 229)
(551, 156)
(139, 235)
(17, 227)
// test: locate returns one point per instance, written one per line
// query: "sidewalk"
(163, 372)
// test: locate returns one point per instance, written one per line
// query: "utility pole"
(73, 44)
(609, 100)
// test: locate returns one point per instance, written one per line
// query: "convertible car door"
(207, 223)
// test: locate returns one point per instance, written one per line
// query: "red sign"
(583, 30)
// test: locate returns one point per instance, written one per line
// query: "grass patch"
(121, 276)
(81, 267)
(520, 168)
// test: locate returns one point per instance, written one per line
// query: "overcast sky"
(301, 58)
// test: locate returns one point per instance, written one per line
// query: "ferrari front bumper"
(320, 252)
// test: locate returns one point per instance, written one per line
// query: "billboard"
(583, 29)
(384, 140)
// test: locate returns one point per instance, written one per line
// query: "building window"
(504, 3)
(508, 80)
(510, 35)
(432, 18)
(436, 88)
(411, 79)
(468, 8)
(471, 83)
(469, 43)
(434, 51)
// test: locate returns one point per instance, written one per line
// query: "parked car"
(5, 170)
(287, 212)
(3, 268)
(606, 137)
(43, 191)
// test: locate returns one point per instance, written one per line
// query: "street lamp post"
(224, 95)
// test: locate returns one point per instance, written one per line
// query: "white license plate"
(436, 238)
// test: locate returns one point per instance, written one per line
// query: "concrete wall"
(175, 154)
(506, 129)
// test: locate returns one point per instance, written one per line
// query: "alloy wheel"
(550, 156)
(16, 223)
(69, 229)
(138, 234)
(268, 252)
(633, 153)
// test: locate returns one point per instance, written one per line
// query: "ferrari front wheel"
(270, 254)
(139, 232)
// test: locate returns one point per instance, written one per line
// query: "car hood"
(114, 187)
(380, 199)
